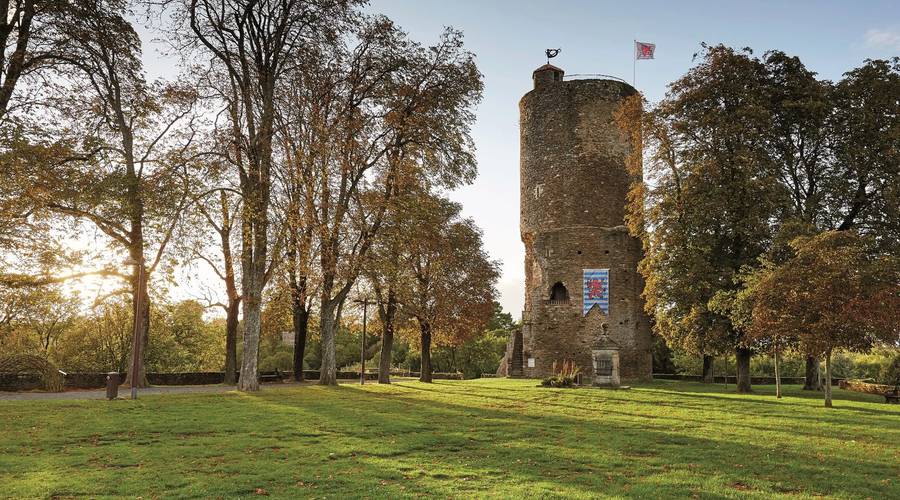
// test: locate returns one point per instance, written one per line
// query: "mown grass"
(481, 438)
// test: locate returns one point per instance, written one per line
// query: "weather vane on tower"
(551, 53)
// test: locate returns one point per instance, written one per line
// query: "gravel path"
(125, 393)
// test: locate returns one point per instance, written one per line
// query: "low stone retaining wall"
(732, 379)
(30, 382)
(98, 380)
(314, 375)
(19, 382)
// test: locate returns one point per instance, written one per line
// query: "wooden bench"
(892, 397)
(270, 376)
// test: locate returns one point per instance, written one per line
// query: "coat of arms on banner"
(596, 290)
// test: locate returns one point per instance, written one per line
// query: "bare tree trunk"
(231, 328)
(249, 380)
(384, 365)
(777, 375)
(425, 329)
(742, 360)
(828, 378)
(254, 248)
(298, 279)
(144, 336)
(708, 362)
(301, 326)
(387, 337)
(139, 297)
(234, 299)
(328, 370)
(330, 315)
(811, 381)
(139, 294)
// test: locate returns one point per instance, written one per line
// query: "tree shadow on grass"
(791, 414)
(712, 392)
(442, 441)
(698, 387)
(546, 448)
(838, 397)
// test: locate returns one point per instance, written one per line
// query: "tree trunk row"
(777, 376)
(828, 378)
(249, 379)
(328, 371)
(425, 330)
(812, 382)
(387, 312)
(708, 375)
(231, 334)
(301, 327)
(742, 360)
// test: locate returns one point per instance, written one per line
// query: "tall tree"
(385, 272)
(391, 111)
(836, 293)
(219, 207)
(833, 148)
(128, 145)
(450, 286)
(299, 122)
(299, 276)
(708, 200)
(253, 43)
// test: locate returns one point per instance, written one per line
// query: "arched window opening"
(559, 294)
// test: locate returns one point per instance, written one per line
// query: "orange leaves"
(835, 293)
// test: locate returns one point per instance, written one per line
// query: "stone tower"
(580, 261)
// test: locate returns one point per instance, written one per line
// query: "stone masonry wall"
(573, 195)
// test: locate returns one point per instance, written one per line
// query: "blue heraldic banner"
(596, 290)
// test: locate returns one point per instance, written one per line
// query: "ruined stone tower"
(580, 261)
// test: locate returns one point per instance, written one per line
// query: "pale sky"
(509, 38)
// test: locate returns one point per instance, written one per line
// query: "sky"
(509, 38)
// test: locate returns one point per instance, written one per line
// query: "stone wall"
(721, 379)
(573, 195)
(572, 156)
(30, 382)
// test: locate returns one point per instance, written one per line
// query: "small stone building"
(580, 261)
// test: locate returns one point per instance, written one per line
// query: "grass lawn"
(483, 438)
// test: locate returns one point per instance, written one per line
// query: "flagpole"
(634, 64)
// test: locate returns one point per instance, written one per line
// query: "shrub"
(51, 379)
(872, 366)
(565, 374)
(282, 360)
(890, 373)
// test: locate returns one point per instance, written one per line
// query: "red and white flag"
(643, 50)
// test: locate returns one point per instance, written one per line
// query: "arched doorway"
(559, 294)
